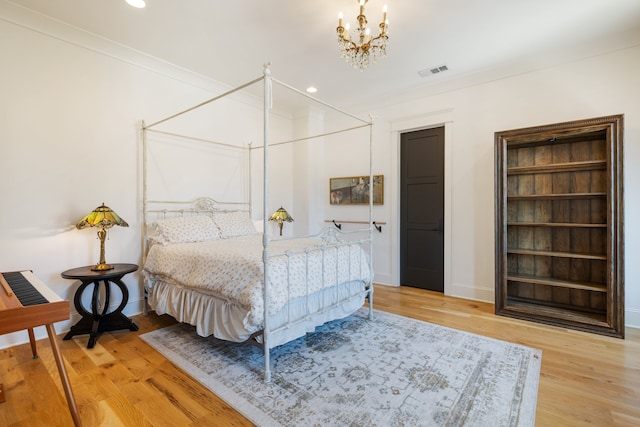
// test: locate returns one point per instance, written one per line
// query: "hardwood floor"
(586, 379)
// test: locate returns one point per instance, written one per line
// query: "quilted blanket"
(233, 269)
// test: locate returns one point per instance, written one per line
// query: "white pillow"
(184, 229)
(234, 223)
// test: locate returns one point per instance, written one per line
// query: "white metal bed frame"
(149, 207)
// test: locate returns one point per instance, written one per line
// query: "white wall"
(593, 87)
(69, 141)
(347, 155)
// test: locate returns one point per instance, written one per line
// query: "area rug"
(390, 371)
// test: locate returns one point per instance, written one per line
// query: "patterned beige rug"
(392, 371)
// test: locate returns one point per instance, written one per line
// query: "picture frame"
(355, 190)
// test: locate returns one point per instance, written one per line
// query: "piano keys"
(43, 305)
(27, 293)
(26, 302)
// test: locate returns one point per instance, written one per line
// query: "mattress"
(217, 285)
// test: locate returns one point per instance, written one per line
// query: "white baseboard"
(383, 279)
(470, 292)
(632, 318)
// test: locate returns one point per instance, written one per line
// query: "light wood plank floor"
(586, 379)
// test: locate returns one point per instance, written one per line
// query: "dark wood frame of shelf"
(611, 323)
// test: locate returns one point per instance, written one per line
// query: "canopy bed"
(206, 264)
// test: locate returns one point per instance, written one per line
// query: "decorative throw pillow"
(184, 229)
(234, 223)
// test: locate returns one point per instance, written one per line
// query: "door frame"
(398, 127)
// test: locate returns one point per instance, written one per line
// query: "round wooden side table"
(99, 319)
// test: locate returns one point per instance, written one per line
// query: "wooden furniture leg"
(32, 340)
(63, 375)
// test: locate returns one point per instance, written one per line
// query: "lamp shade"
(102, 217)
(280, 216)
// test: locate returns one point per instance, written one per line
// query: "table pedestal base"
(98, 318)
(94, 327)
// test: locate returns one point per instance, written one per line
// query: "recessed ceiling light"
(312, 89)
(136, 3)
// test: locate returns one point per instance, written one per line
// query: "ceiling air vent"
(434, 70)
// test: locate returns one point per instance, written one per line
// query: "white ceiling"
(479, 40)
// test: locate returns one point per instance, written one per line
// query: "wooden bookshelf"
(559, 225)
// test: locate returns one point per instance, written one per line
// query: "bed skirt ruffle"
(229, 321)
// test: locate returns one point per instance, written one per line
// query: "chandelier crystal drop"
(361, 49)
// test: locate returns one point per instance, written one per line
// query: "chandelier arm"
(353, 46)
(383, 27)
(378, 37)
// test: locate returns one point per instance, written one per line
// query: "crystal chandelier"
(361, 49)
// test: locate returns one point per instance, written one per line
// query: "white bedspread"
(233, 269)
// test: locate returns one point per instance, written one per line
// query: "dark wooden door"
(422, 209)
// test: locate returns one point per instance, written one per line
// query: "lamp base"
(102, 267)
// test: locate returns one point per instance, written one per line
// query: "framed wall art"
(356, 190)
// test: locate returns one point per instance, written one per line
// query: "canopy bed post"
(184, 241)
(265, 238)
(248, 177)
(371, 224)
(143, 130)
